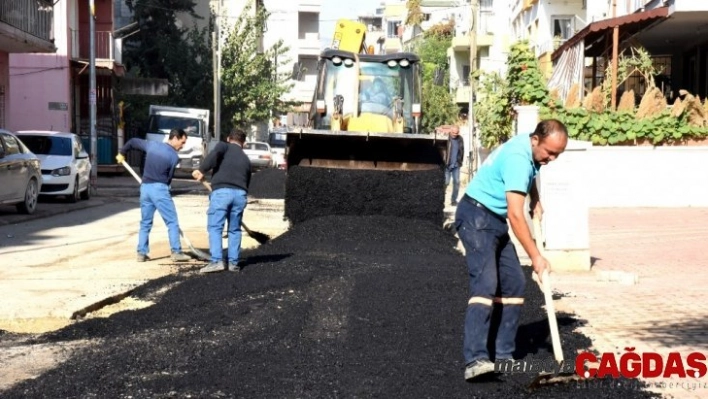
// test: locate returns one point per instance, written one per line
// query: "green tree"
(438, 105)
(526, 82)
(494, 110)
(251, 88)
(163, 50)
(415, 15)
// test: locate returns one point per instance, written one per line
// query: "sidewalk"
(666, 310)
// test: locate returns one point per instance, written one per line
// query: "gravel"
(267, 184)
(339, 306)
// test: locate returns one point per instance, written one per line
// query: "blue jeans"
(497, 283)
(225, 204)
(156, 197)
(455, 174)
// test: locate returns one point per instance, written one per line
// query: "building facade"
(547, 24)
(492, 45)
(55, 88)
(26, 26)
(671, 31)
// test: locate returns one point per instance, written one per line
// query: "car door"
(83, 166)
(15, 170)
(5, 189)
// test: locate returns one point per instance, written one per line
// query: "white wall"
(648, 177)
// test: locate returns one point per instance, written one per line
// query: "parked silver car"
(20, 175)
(259, 153)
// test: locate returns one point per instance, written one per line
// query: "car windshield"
(164, 123)
(256, 146)
(48, 145)
(277, 139)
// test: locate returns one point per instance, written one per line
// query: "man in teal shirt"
(497, 193)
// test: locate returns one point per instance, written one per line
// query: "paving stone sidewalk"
(666, 309)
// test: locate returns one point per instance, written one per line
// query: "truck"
(194, 121)
(277, 138)
(365, 115)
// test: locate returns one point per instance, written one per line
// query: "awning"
(106, 65)
(595, 31)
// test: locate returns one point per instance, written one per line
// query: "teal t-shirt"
(510, 167)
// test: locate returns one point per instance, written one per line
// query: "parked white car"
(259, 153)
(66, 167)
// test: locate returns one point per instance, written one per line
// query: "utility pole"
(92, 96)
(216, 44)
(615, 45)
(471, 120)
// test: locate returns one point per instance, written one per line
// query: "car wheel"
(29, 205)
(86, 194)
(75, 194)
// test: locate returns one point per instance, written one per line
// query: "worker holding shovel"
(161, 159)
(231, 177)
(497, 192)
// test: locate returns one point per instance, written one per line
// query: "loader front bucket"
(356, 173)
(357, 150)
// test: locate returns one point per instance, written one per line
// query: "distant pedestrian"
(161, 159)
(453, 162)
(230, 180)
(497, 192)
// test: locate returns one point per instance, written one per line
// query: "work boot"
(477, 368)
(234, 267)
(142, 258)
(180, 257)
(212, 267)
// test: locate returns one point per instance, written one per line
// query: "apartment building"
(492, 45)
(672, 31)
(54, 92)
(393, 22)
(26, 26)
(547, 24)
(375, 33)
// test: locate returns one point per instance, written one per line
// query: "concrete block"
(569, 260)
(617, 276)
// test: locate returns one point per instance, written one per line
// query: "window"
(563, 27)
(48, 145)
(392, 28)
(465, 78)
(12, 147)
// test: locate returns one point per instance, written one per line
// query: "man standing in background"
(453, 162)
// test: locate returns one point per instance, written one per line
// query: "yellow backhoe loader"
(365, 116)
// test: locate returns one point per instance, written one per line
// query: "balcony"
(104, 44)
(485, 38)
(309, 45)
(462, 94)
(304, 89)
(309, 6)
(26, 26)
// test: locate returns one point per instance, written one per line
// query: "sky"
(332, 10)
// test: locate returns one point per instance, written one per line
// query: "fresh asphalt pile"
(313, 192)
(267, 184)
(339, 306)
